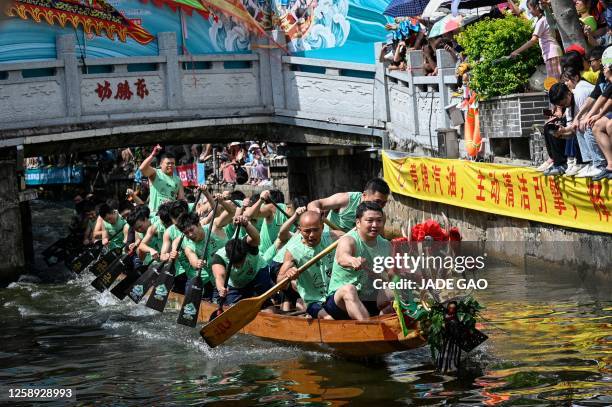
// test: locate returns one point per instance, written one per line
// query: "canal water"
(550, 344)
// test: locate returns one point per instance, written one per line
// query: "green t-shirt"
(345, 219)
(112, 230)
(359, 278)
(163, 188)
(240, 277)
(312, 283)
(215, 244)
(269, 231)
(181, 262)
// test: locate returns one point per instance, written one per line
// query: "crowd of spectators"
(578, 128)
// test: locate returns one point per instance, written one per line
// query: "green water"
(550, 344)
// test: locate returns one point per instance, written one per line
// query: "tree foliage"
(486, 42)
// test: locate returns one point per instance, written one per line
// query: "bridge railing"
(416, 102)
(363, 99)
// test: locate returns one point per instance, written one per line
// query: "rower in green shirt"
(150, 229)
(351, 294)
(273, 218)
(343, 205)
(249, 275)
(194, 244)
(112, 225)
(164, 184)
(312, 283)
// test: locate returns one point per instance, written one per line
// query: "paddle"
(131, 275)
(227, 323)
(219, 309)
(165, 280)
(92, 253)
(188, 315)
(163, 284)
(144, 282)
(117, 266)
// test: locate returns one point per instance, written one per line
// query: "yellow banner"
(519, 192)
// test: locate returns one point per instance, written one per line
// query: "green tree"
(486, 43)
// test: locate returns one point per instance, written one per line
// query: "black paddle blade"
(121, 289)
(159, 297)
(107, 278)
(103, 262)
(82, 261)
(190, 309)
(144, 282)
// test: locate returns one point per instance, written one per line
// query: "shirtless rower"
(343, 205)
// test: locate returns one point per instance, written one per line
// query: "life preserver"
(472, 128)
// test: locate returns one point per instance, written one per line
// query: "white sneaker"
(589, 171)
(584, 170)
(573, 169)
(545, 165)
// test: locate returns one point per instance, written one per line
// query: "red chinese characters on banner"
(539, 194)
(452, 181)
(558, 201)
(509, 189)
(123, 92)
(188, 174)
(524, 192)
(437, 182)
(495, 188)
(481, 178)
(599, 205)
(425, 177)
(414, 176)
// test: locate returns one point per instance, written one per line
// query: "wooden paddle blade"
(161, 289)
(121, 289)
(231, 321)
(144, 282)
(108, 277)
(188, 315)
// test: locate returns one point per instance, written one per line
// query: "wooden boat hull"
(376, 336)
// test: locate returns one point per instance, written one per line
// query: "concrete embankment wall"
(515, 240)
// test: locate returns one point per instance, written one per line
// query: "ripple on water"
(542, 351)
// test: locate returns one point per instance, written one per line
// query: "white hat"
(606, 58)
(254, 145)
(234, 143)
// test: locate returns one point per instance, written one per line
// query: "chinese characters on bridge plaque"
(122, 90)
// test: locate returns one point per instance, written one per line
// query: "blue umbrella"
(405, 8)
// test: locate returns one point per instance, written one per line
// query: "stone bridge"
(81, 104)
(331, 110)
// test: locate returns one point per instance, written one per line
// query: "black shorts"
(336, 312)
(314, 308)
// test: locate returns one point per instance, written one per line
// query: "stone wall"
(512, 115)
(12, 259)
(515, 240)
